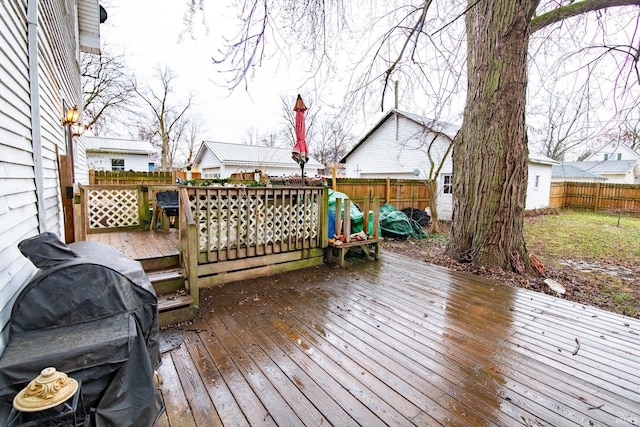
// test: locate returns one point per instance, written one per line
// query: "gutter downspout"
(34, 95)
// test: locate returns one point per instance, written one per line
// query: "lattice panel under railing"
(237, 219)
(112, 208)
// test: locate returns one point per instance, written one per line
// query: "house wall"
(132, 162)
(619, 178)
(538, 196)
(30, 201)
(209, 166)
(385, 155)
(612, 150)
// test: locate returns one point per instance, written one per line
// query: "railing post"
(376, 217)
(346, 225)
(324, 224)
(192, 261)
(143, 194)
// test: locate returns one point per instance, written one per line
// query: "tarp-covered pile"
(356, 214)
(91, 313)
(395, 223)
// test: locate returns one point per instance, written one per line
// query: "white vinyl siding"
(388, 156)
(538, 186)
(270, 160)
(89, 25)
(132, 162)
(57, 83)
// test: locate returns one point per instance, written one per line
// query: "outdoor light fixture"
(71, 116)
(77, 129)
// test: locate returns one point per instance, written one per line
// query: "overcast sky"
(148, 31)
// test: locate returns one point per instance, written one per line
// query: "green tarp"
(395, 223)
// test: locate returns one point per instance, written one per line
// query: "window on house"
(606, 156)
(117, 164)
(447, 183)
(619, 156)
(152, 167)
(537, 184)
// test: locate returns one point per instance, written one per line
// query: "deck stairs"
(175, 304)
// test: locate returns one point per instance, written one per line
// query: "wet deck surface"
(399, 342)
(144, 244)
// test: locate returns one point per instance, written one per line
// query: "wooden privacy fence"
(137, 178)
(401, 193)
(596, 196)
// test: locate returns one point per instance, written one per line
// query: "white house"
(112, 154)
(615, 161)
(396, 147)
(614, 150)
(220, 160)
(39, 81)
(614, 171)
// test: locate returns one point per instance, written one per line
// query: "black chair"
(167, 206)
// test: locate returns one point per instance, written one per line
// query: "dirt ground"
(611, 286)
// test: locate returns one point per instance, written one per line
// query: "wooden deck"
(399, 342)
(141, 245)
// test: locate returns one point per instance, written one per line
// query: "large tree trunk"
(490, 151)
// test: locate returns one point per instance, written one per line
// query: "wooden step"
(175, 308)
(160, 263)
(168, 280)
(172, 301)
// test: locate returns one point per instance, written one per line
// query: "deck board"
(141, 244)
(400, 342)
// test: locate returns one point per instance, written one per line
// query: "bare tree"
(191, 139)
(438, 146)
(563, 125)
(490, 150)
(271, 138)
(332, 141)
(167, 116)
(108, 92)
(631, 135)
(251, 136)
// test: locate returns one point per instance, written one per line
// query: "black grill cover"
(92, 313)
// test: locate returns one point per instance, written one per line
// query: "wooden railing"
(106, 208)
(189, 248)
(243, 232)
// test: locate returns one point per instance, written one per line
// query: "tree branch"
(575, 9)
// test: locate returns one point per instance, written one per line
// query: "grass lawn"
(585, 235)
(603, 249)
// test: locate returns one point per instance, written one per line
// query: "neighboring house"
(615, 161)
(614, 171)
(111, 154)
(39, 80)
(396, 147)
(614, 150)
(220, 160)
(565, 172)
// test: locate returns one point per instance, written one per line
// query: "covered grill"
(90, 312)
